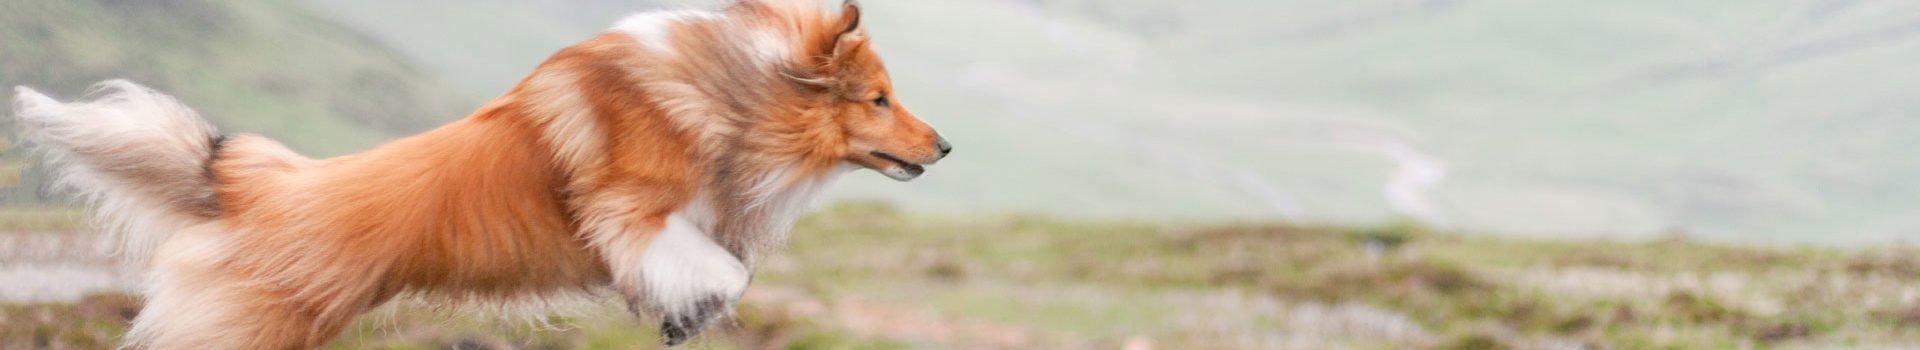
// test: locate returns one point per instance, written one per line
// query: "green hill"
(265, 67)
(1778, 122)
(1781, 121)
(256, 66)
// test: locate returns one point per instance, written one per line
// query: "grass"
(92, 323)
(866, 276)
(40, 219)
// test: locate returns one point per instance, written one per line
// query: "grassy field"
(865, 276)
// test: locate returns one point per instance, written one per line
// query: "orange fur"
(700, 133)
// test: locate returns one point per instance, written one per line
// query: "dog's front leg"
(678, 273)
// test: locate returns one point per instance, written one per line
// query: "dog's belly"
(501, 263)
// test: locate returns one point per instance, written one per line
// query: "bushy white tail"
(137, 157)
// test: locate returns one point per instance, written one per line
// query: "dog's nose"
(945, 148)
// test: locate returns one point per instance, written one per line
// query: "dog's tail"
(138, 158)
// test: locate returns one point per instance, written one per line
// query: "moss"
(1784, 331)
(95, 322)
(832, 340)
(1895, 263)
(1394, 277)
(1393, 234)
(1477, 339)
(41, 219)
(1694, 308)
(765, 328)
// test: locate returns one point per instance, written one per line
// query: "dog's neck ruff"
(752, 191)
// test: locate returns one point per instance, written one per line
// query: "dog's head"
(849, 79)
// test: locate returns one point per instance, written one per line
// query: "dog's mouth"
(902, 169)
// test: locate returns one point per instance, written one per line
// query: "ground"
(865, 276)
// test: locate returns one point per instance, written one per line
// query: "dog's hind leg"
(197, 299)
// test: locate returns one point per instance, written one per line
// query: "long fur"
(139, 158)
(655, 160)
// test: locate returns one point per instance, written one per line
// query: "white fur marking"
(653, 28)
(28, 99)
(769, 47)
(181, 306)
(898, 173)
(570, 126)
(787, 205)
(170, 138)
(682, 266)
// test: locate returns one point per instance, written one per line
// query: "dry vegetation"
(863, 276)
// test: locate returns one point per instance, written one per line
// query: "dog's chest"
(771, 213)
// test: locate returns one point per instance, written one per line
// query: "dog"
(653, 162)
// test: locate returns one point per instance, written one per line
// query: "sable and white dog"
(654, 160)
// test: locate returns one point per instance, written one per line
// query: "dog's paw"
(676, 329)
(689, 280)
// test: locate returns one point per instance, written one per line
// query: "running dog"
(655, 160)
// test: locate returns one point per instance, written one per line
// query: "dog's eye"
(882, 102)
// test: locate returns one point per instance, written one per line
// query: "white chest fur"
(683, 265)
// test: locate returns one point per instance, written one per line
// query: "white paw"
(684, 272)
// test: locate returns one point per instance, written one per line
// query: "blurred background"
(1172, 174)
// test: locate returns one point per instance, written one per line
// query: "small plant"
(1393, 235)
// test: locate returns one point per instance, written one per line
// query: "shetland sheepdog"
(653, 162)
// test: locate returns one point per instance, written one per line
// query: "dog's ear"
(849, 17)
(853, 34)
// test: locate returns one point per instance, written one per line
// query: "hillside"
(1769, 121)
(264, 67)
(1780, 122)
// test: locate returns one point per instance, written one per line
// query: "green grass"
(1458, 287)
(92, 323)
(866, 276)
(41, 219)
